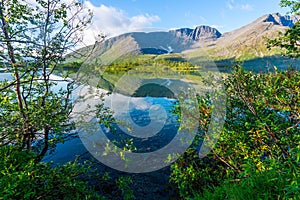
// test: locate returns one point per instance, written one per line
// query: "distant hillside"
(248, 42)
(160, 42)
(245, 43)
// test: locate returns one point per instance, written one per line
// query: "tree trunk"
(14, 64)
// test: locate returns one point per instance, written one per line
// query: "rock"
(199, 33)
(182, 32)
(204, 33)
(278, 19)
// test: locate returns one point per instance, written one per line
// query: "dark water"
(152, 185)
(141, 118)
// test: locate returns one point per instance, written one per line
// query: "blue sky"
(114, 17)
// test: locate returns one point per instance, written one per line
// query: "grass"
(267, 185)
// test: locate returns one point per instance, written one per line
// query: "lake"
(151, 108)
(146, 126)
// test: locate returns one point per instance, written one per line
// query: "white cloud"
(112, 22)
(203, 19)
(217, 26)
(232, 6)
(246, 7)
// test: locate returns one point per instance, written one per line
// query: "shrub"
(263, 185)
(22, 178)
(261, 133)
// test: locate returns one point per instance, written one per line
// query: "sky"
(114, 17)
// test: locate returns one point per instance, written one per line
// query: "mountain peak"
(199, 33)
(205, 32)
(278, 19)
(246, 40)
(182, 32)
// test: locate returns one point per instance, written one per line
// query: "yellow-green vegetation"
(258, 153)
(242, 52)
(288, 41)
(236, 52)
(146, 63)
(21, 177)
(144, 68)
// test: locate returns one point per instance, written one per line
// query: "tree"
(260, 134)
(257, 155)
(21, 177)
(34, 39)
(290, 40)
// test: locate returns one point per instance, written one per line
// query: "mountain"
(160, 42)
(245, 43)
(278, 19)
(200, 33)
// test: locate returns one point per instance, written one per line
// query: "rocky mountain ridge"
(246, 42)
(249, 41)
(278, 19)
(199, 33)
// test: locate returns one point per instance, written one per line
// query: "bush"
(272, 184)
(22, 178)
(260, 186)
(261, 133)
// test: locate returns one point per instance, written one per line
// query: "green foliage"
(189, 174)
(124, 183)
(289, 41)
(261, 131)
(145, 65)
(260, 185)
(71, 67)
(22, 178)
(34, 40)
(137, 67)
(293, 4)
(281, 182)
